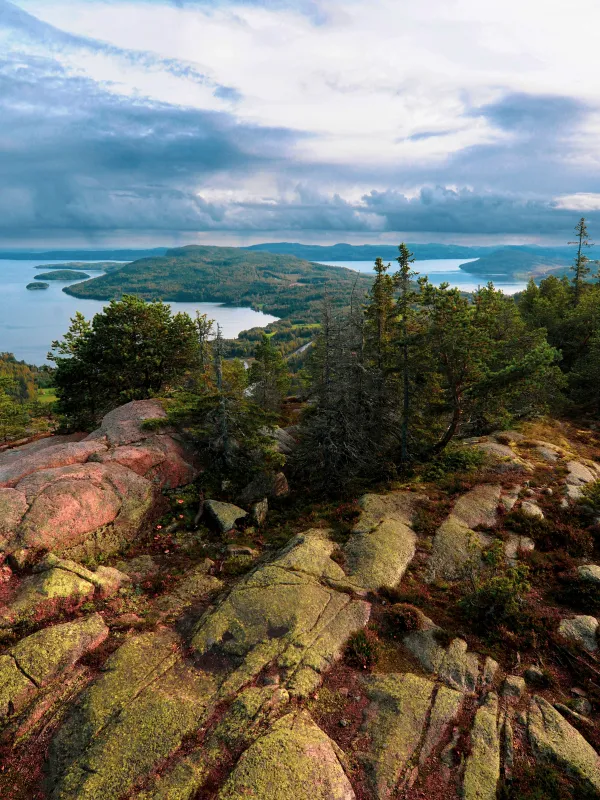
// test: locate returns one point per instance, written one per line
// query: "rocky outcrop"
(224, 515)
(288, 612)
(581, 630)
(555, 740)
(382, 544)
(90, 496)
(482, 770)
(38, 659)
(294, 759)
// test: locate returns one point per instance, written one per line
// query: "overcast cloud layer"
(163, 121)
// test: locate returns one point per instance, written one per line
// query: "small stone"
(564, 503)
(224, 515)
(580, 630)
(241, 550)
(343, 723)
(514, 687)
(548, 492)
(271, 680)
(535, 676)
(589, 572)
(582, 706)
(529, 493)
(259, 512)
(490, 670)
(532, 510)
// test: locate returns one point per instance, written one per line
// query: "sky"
(158, 122)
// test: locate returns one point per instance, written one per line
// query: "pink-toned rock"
(13, 505)
(70, 504)
(124, 424)
(159, 458)
(59, 455)
(8, 453)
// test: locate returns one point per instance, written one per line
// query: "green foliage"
(268, 376)
(132, 350)
(403, 618)
(454, 459)
(590, 494)
(496, 596)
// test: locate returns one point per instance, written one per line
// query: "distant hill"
(80, 255)
(369, 252)
(282, 285)
(524, 262)
(97, 266)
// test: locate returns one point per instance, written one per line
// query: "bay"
(442, 270)
(31, 320)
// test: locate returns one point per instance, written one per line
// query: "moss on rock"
(482, 770)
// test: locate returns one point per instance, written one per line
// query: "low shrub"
(590, 495)
(361, 650)
(454, 459)
(403, 618)
(578, 594)
(544, 782)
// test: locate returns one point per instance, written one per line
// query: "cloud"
(273, 115)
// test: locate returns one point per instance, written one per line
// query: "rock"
(459, 669)
(579, 474)
(259, 512)
(285, 612)
(548, 491)
(553, 739)
(380, 558)
(139, 568)
(490, 671)
(456, 548)
(269, 486)
(285, 442)
(531, 510)
(513, 688)
(224, 515)
(589, 572)
(529, 493)
(535, 676)
(86, 508)
(51, 651)
(399, 506)
(479, 506)
(194, 586)
(304, 759)
(129, 720)
(124, 425)
(509, 498)
(482, 770)
(13, 506)
(424, 645)
(159, 458)
(496, 449)
(38, 659)
(582, 706)
(547, 453)
(446, 708)
(61, 455)
(43, 595)
(514, 543)
(580, 630)
(504, 437)
(395, 721)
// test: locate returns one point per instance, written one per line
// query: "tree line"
(391, 380)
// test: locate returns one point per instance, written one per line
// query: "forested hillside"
(284, 286)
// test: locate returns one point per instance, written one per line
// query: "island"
(100, 266)
(62, 275)
(36, 285)
(282, 285)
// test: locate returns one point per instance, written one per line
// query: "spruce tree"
(268, 376)
(580, 265)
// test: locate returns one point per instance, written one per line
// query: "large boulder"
(84, 508)
(61, 455)
(123, 425)
(554, 740)
(294, 759)
(224, 515)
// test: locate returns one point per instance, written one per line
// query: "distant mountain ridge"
(80, 255)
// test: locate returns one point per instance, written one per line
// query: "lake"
(442, 270)
(31, 320)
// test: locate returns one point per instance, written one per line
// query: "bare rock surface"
(554, 740)
(293, 759)
(482, 770)
(581, 630)
(382, 544)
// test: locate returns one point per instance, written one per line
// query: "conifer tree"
(580, 265)
(405, 309)
(268, 376)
